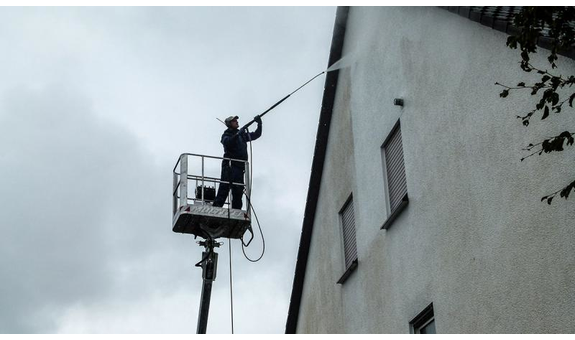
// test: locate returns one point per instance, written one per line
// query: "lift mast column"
(209, 268)
(196, 216)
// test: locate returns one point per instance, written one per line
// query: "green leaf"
(552, 58)
(555, 82)
(546, 113)
(525, 56)
(555, 98)
(548, 94)
(512, 42)
(567, 190)
(567, 135)
(525, 67)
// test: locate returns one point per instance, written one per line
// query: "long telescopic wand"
(279, 102)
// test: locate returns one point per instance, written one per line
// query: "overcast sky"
(96, 105)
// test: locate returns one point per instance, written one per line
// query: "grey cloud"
(70, 181)
(95, 106)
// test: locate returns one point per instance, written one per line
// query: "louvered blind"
(349, 244)
(395, 168)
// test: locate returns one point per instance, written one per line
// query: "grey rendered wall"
(321, 297)
(475, 239)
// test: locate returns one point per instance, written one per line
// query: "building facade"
(420, 216)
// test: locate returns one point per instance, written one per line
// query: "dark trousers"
(234, 174)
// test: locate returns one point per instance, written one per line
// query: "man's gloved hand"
(258, 119)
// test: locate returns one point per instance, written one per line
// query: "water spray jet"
(341, 63)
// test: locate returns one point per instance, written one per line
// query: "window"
(347, 219)
(394, 172)
(424, 322)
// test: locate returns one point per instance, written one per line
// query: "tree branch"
(557, 22)
(564, 192)
(551, 144)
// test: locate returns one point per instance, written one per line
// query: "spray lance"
(279, 102)
(346, 61)
(341, 63)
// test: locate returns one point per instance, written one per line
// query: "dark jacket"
(236, 144)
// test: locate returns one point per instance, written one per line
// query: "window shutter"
(349, 243)
(397, 185)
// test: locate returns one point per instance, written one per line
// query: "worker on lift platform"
(235, 143)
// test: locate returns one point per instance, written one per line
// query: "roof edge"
(317, 168)
(505, 26)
